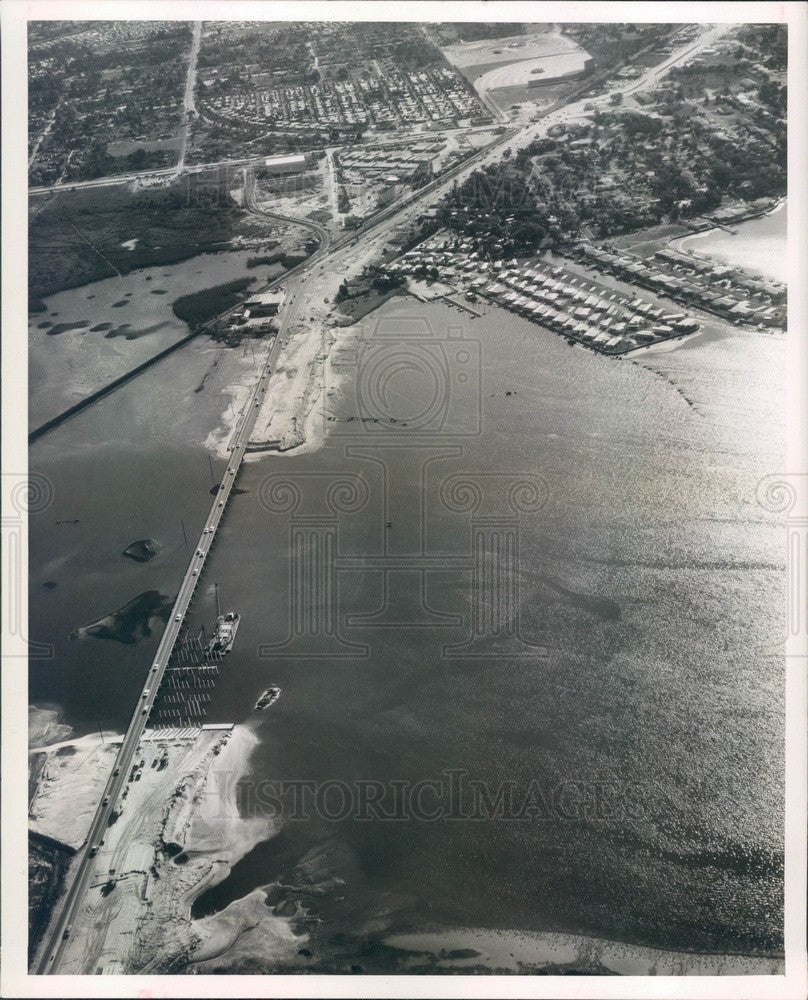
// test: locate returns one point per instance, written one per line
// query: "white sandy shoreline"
(185, 806)
(520, 951)
(46, 725)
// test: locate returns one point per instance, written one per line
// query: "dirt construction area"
(553, 50)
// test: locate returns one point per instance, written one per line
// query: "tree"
(138, 159)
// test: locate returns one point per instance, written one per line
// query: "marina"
(407, 594)
(758, 245)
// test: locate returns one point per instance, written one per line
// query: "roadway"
(58, 938)
(650, 76)
(319, 231)
(116, 179)
(704, 40)
(188, 101)
(251, 205)
(59, 934)
(52, 952)
(561, 112)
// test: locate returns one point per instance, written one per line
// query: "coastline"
(179, 832)
(211, 840)
(203, 820)
(302, 426)
(291, 392)
(66, 778)
(46, 725)
(122, 321)
(69, 779)
(247, 930)
(238, 392)
(689, 244)
(533, 952)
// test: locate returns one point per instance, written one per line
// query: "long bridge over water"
(60, 929)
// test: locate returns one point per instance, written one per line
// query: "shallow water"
(636, 685)
(759, 244)
(135, 313)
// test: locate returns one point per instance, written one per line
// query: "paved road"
(116, 179)
(650, 76)
(703, 41)
(123, 763)
(188, 102)
(56, 942)
(251, 204)
(197, 168)
(61, 929)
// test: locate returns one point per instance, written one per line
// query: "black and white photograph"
(405, 505)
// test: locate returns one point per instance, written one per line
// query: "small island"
(131, 622)
(143, 550)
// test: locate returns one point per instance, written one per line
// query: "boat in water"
(224, 631)
(269, 697)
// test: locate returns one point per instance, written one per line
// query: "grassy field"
(76, 237)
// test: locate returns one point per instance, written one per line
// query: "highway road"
(117, 179)
(561, 112)
(327, 253)
(59, 933)
(650, 76)
(189, 102)
(61, 928)
(322, 235)
(195, 168)
(704, 40)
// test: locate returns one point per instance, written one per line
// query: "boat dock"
(462, 305)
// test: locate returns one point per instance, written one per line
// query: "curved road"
(251, 205)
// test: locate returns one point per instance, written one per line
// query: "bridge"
(61, 928)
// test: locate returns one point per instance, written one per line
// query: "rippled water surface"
(634, 688)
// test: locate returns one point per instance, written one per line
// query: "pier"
(462, 305)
